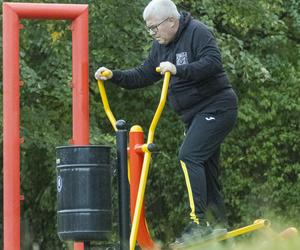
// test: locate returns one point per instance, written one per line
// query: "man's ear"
(171, 19)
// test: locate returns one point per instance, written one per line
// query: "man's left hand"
(167, 67)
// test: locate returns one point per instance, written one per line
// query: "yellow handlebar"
(107, 110)
(106, 73)
(161, 105)
(146, 162)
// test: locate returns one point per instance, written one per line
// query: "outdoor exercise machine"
(139, 168)
(139, 161)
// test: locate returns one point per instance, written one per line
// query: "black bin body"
(83, 192)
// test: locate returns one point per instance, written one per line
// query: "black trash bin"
(83, 192)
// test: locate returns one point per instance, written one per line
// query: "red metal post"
(11, 130)
(80, 57)
(48, 11)
(136, 157)
(12, 12)
(80, 85)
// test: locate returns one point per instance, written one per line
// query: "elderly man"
(199, 93)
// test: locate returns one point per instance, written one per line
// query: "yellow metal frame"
(147, 157)
(146, 162)
(107, 109)
(258, 224)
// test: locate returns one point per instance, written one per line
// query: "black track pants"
(199, 157)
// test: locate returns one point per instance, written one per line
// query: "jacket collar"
(185, 18)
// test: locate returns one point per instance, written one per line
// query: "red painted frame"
(12, 13)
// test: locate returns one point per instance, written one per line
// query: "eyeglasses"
(154, 28)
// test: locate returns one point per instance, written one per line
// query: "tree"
(260, 48)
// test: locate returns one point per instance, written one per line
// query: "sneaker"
(196, 232)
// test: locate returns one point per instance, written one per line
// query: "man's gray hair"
(161, 9)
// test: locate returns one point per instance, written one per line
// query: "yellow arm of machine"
(107, 110)
(146, 162)
(147, 157)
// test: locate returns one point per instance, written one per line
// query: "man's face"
(161, 29)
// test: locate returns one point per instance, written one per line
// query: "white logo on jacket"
(182, 58)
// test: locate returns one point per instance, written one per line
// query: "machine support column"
(124, 214)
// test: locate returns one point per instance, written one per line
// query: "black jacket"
(200, 73)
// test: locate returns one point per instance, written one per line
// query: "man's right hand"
(99, 74)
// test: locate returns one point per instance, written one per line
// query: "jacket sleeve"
(206, 54)
(138, 77)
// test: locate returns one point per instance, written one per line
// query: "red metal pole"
(136, 157)
(80, 79)
(80, 85)
(48, 11)
(11, 102)
(11, 130)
